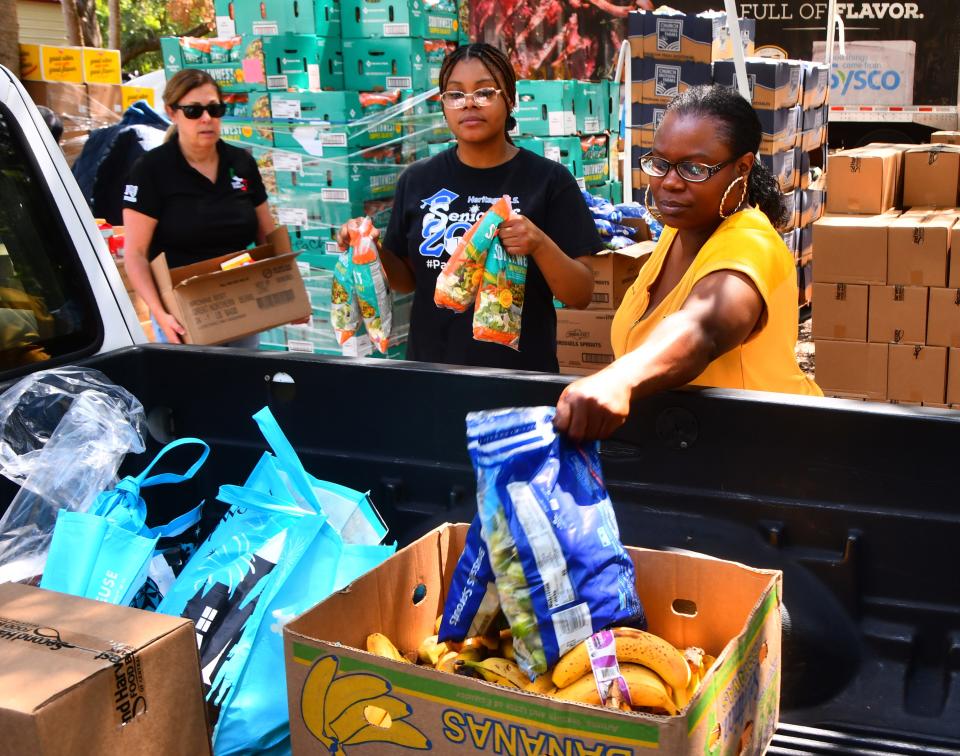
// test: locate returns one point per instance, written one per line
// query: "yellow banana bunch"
(381, 645)
(632, 646)
(430, 651)
(647, 689)
(496, 670)
(350, 709)
(543, 684)
(694, 658)
(506, 645)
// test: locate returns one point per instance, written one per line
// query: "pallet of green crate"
(391, 63)
(371, 175)
(272, 17)
(368, 19)
(313, 223)
(564, 107)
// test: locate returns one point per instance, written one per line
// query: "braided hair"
(497, 63)
(740, 130)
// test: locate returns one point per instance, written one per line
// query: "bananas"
(647, 690)
(496, 670)
(430, 651)
(633, 646)
(381, 645)
(349, 709)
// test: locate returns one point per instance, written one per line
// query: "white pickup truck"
(856, 503)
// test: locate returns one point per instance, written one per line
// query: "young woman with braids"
(716, 304)
(438, 199)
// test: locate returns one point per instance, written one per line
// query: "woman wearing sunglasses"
(716, 304)
(193, 198)
(438, 199)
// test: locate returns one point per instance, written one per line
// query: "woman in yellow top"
(716, 303)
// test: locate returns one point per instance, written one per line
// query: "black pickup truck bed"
(856, 503)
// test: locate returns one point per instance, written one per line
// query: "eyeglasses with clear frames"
(456, 100)
(686, 169)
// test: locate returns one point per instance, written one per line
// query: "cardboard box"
(792, 202)
(816, 84)
(216, 306)
(64, 64)
(105, 102)
(774, 84)
(737, 620)
(590, 106)
(82, 676)
(954, 277)
(953, 377)
(614, 272)
(863, 181)
(938, 137)
(898, 314)
(917, 373)
(943, 318)
(931, 176)
(841, 311)
(364, 19)
(101, 66)
(805, 244)
(852, 370)
(372, 64)
(30, 63)
(783, 166)
(700, 38)
(135, 94)
(69, 101)
(657, 81)
(271, 17)
(918, 248)
(851, 249)
(583, 338)
(546, 108)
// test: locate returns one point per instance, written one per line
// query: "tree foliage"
(143, 22)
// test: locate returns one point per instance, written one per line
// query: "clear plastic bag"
(63, 434)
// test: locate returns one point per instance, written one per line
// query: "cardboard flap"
(52, 641)
(636, 251)
(191, 274)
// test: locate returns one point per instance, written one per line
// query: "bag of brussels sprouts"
(551, 534)
(472, 603)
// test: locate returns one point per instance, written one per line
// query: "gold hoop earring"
(743, 196)
(646, 203)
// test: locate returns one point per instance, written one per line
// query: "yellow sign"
(61, 64)
(30, 62)
(132, 94)
(101, 66)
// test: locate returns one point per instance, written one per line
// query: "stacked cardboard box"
(80, 84)
(887, 313)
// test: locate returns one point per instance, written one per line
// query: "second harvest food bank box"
(736, 618)
(215, 305)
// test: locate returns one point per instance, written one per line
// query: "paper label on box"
(552, 153)
(226, 27)
(591, 124)
(287, 161)
(581, 182)
(292, 216)
(396, 30)
(277, 82)
(285, 108)
(265, 28)
(335, 195)
(313, 76)
(296, 345)
(332, 248)
(310, 139)
(555, 123)
(358, 346)
(669, 34)
(304, 269)
(399, 82)
(333, 139)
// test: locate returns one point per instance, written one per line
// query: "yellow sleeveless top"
(747, 243)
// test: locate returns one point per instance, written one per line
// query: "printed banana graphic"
(635, 647)
(381, 645)
(647, 689)
(314, 696)
(399, 733)
(381, 711)
(496, 670)
(346, 690)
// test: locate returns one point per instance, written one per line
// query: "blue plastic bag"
(286, 543)
(551, 533)
(472, 603)
(105, 553)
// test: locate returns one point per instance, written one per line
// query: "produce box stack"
(330, 97)
(671, 52)
(887, 281)
(80, 84)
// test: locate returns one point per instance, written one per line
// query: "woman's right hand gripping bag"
(561, 571)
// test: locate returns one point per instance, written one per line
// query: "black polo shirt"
(196, 219)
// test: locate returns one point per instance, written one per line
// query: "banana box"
(731, 611)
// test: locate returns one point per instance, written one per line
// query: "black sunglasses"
(214, 109)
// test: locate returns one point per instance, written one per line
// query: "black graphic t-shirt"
(437, 200)
(196, 218)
